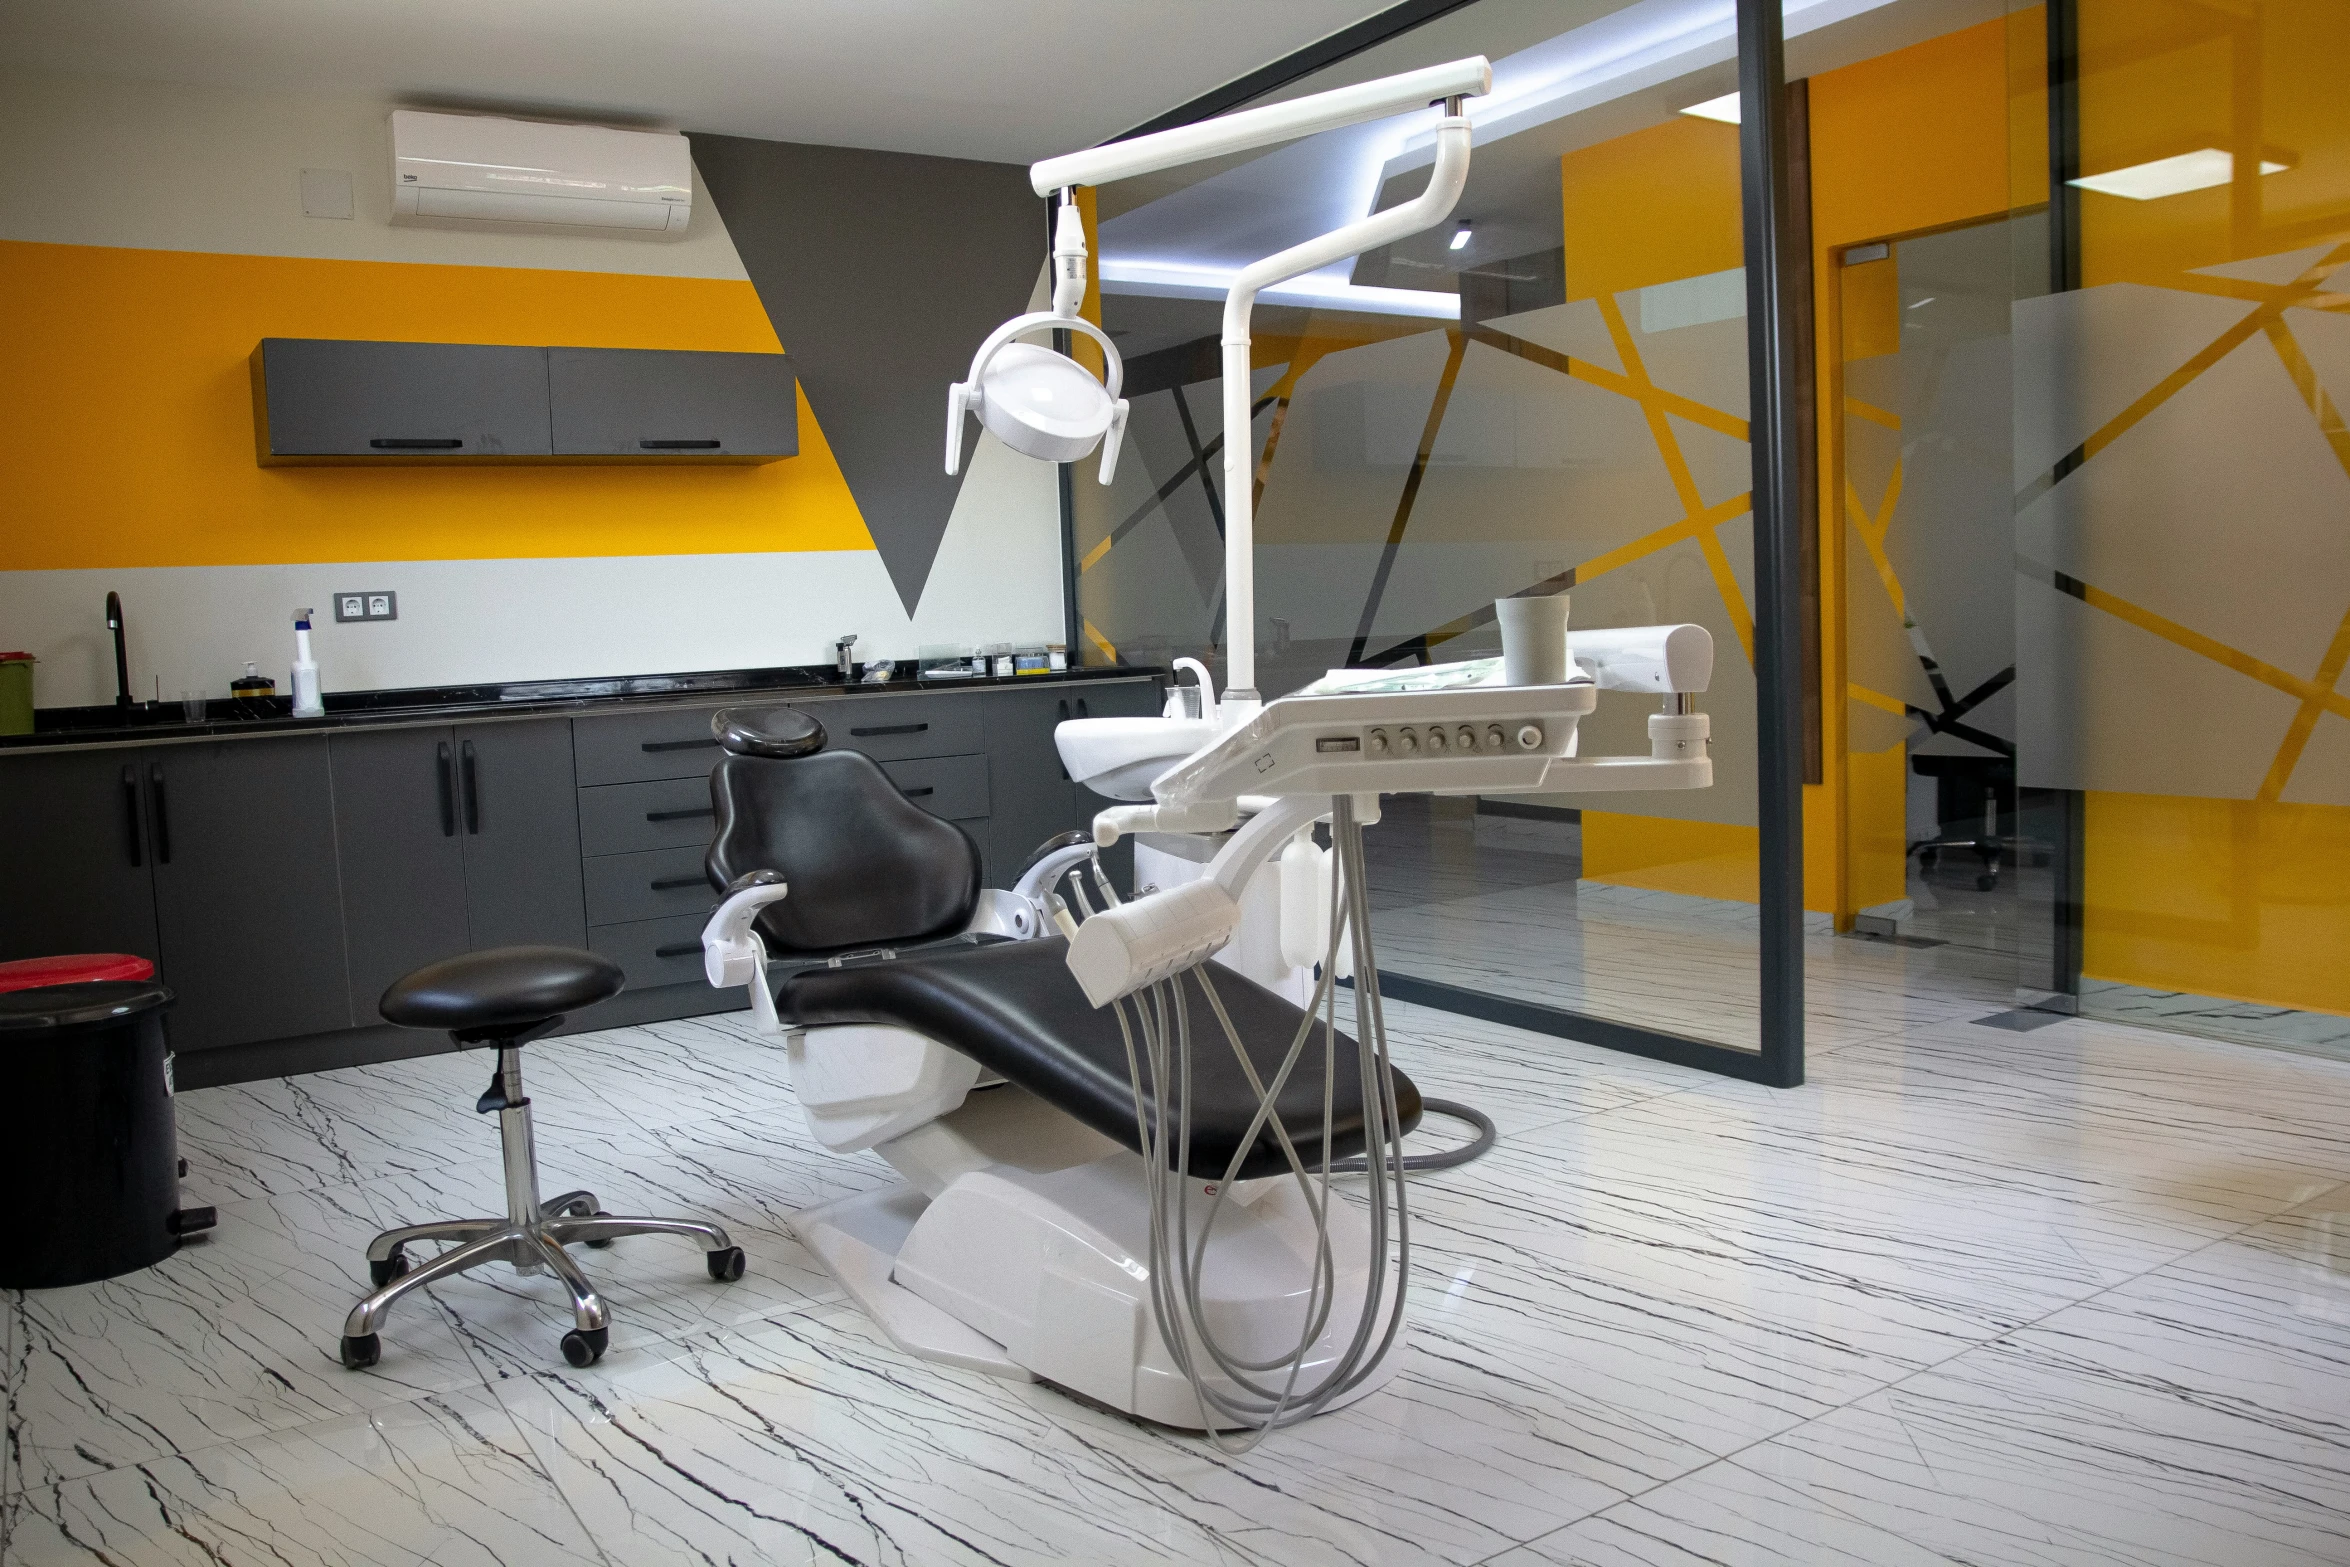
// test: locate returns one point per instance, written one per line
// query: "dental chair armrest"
(732, 953)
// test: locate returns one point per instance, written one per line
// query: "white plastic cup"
(1533, 639)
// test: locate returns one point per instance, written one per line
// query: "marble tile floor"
(2080, 1295)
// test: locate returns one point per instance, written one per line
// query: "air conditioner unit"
(468, 168)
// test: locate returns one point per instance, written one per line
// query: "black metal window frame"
(1774, 367)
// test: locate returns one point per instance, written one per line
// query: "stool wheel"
(585, 1346)
(387, 1270)
(727, 1265)
(602, 1242)
(360, 1353)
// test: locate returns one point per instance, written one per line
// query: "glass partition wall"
(1548, 393)
(2182, 516)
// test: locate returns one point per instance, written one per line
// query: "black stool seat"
(502, 988)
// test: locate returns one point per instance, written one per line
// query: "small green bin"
(16, 693)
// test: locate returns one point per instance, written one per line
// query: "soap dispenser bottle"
(306, 699)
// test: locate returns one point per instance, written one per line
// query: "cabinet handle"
(891, 729)
(672, 883)
(162, 814)
(448, 794)
(679, 446)
(680, 816)
(396, 443)
(1063, 705)
(1083, 711)
(130, 815)
(472, 789)
(678, 745)
(916, 794)
(677, 949)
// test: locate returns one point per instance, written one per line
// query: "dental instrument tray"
(1465, 739)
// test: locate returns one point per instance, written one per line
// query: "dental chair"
(936, 1023)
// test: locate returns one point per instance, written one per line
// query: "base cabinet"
(454, 839)
(248, 902)
(281, 882)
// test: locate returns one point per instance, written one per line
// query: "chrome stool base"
(530, 1239)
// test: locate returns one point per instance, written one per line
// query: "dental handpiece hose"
(1158, 1044)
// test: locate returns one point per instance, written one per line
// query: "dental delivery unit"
(1118, 1123)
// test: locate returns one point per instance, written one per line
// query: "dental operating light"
(1037, 400)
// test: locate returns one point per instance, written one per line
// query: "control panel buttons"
(1529, 736)
(1468, 737)
(1376, 742)
(1437, 740)
(1407, 742)
(1494, 738)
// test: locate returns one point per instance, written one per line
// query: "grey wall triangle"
(881, 272)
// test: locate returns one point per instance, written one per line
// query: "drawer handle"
(672, 883)
(681, 816)
(448, 794)
(891, 729)
(677, 949)
(916, 794)
(679, 446)
(393, 443)
(678, 745)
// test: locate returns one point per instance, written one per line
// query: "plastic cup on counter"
(192, 706)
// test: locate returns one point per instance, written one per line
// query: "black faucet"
(122, 663)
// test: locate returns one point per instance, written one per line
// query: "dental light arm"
(1663, 660)
(1010, 384)
(1266, 127)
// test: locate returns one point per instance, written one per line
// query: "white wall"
(163, 166)
(92, 161)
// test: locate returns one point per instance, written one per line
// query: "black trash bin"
(89, 1156)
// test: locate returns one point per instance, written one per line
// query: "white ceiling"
(1007, 80)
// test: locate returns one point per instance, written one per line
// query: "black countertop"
(145, 722)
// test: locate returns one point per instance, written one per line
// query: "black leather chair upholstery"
(867, 866)
(1016, 1010)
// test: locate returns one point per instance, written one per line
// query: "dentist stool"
(505, 998)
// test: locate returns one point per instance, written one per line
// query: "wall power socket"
(367, 606)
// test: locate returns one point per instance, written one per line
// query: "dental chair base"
(1019, 1247)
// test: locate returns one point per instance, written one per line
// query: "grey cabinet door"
(403, 863)
(402, 402)
(247, 896)
(644, 403)
(1032, 797)
(519, 818)
(74, 875)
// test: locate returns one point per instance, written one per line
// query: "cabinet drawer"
(653, 952)
(633, 747)
(888, 727)
(623, 887)
(953, 787)
(671, 813)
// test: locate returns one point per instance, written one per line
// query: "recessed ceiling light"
(2197, 170)
(1724, 109)
(1460, 236)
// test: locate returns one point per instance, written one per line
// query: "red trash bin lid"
(72, 968)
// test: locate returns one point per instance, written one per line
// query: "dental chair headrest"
(779, 733)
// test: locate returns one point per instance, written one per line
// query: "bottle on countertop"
(306, 698)
(252, 691)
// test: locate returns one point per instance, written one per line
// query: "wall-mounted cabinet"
(330, 401)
